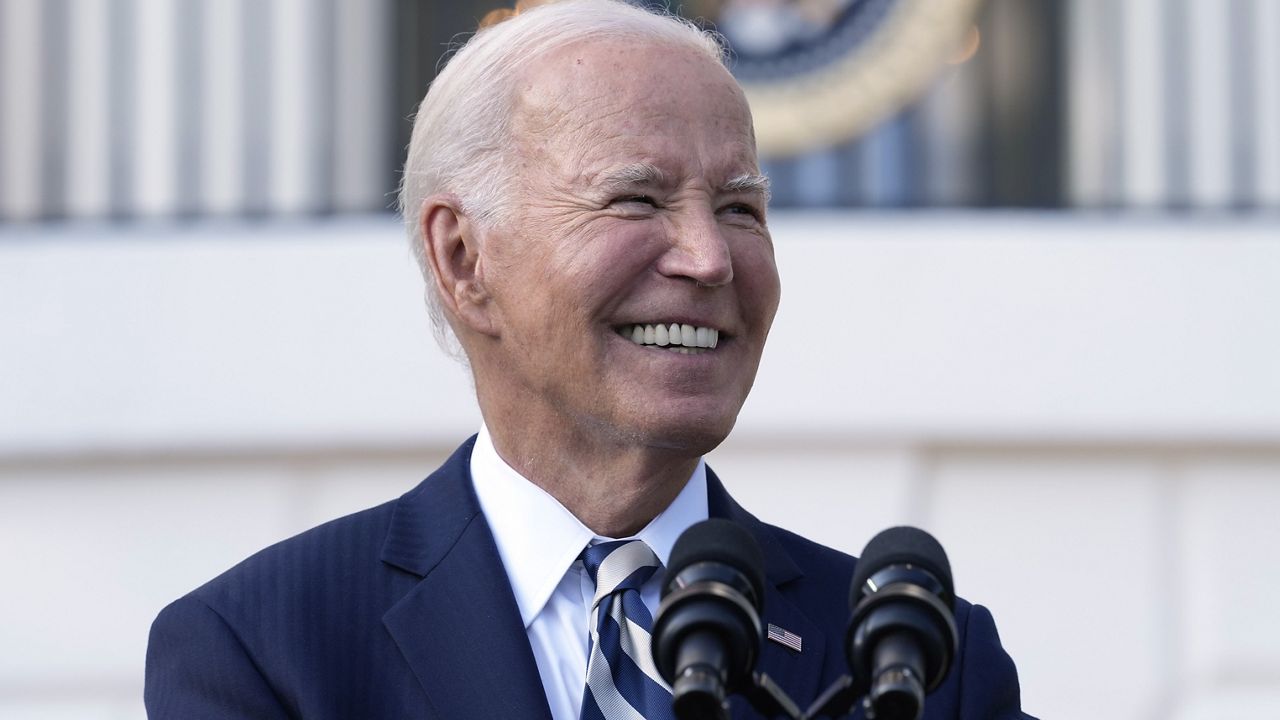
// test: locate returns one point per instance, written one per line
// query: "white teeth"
(660, 336)
(682, 338)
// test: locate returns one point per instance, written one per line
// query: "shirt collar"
(539, 539)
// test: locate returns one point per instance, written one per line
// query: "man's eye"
(743, 209)
(636, 200)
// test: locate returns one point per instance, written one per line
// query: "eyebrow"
(748, 183)
(648, 174)
(632, 175)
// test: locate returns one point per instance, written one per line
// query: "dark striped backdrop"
(125, 109)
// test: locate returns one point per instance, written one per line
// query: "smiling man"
(583, 193)
(637, 227)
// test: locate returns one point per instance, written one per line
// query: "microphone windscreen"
(904, 545)
(720, 541)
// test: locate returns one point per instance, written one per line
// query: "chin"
(692, 437)
(688, 425)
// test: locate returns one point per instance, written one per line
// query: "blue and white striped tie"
(622, 681)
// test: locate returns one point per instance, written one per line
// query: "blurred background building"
(1036, 311)
(123, 109)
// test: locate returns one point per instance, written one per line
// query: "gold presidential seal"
(823, 71)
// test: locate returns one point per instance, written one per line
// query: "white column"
(1144, 103)
(361, 104)
(951, 112)
(20, 126)
(1209, 93)
(1091, 74)
(294, 138)
(155, 111)
(1266, 93)
(222, 141)
(88, 109)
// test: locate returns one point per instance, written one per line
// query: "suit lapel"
(459, 628)
(799, 673)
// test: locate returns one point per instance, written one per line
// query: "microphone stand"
(772, 701)
(838, 700)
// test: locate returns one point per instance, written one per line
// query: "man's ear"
(452, 249)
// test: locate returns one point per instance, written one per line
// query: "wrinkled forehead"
(621, 85)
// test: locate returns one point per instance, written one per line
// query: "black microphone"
(902, 636)
(707, 631)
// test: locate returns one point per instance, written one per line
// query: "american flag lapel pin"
(785, 638)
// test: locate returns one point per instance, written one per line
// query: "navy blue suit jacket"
(405, 611)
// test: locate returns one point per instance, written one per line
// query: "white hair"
(461, 135)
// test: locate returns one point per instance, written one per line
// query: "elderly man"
(583, 193)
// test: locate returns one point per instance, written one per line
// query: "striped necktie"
(622, 681)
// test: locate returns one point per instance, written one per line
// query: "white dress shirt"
(539, 541)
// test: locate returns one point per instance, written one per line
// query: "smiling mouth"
(678, 338)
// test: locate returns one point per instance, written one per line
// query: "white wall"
(1085, 411)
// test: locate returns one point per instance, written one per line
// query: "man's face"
(640, 207)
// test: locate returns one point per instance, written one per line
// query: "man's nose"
(699, 251)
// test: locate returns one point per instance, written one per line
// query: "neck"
(613, 488)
